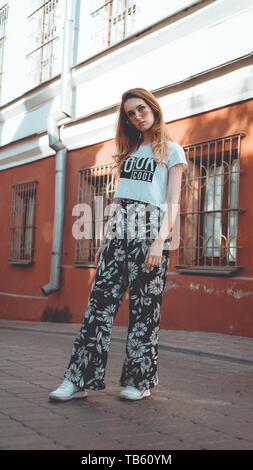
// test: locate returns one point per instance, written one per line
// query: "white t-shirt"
(142, 179)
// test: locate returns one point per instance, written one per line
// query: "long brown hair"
(128, 138)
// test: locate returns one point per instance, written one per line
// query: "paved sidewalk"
(219, 346)
(203, 400)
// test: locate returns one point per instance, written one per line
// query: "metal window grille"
(22, 223)
(113, 20)
(3, 22)
(45, 23)
(209, 207)
(96, 186)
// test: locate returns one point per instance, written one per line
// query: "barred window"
(112, 21)
(96, 186)
(3, 21)
(209, 207)
(45, 23)
(22, 223)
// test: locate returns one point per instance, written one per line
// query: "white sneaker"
(67, 391)
(132, 393)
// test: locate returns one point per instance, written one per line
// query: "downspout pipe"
(56, 144)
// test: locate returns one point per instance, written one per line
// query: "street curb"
(162, 345)
(198, 352)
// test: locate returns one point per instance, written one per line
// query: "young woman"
(134, 254)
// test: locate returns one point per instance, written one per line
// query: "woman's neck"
(147, 138)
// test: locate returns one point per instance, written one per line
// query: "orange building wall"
(201, 303)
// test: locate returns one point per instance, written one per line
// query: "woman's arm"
(99, 251)
(154, 254)
(112, 207)
(171, 201)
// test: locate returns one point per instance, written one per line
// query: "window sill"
(85, 265)
(21, 262)
(225, 271)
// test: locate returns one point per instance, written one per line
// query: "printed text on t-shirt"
(141, 169)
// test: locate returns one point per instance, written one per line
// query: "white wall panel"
(173, 57)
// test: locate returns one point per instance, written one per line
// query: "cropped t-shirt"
(142, 179)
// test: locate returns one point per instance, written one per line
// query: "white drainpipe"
(61, 151)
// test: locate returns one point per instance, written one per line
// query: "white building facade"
(183, 47)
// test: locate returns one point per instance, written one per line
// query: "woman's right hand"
(97, 255)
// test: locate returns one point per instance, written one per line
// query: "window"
(45, 24)
(112, 21)
(3, 21)
(22, 223)
(96, 187)
(209, 207)
(106, 23)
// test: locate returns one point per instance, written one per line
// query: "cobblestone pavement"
(203, 400)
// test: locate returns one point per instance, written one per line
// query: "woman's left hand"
(154, 254)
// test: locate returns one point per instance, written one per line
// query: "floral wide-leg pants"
(121, 265)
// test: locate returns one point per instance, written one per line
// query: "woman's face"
(139, 113)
